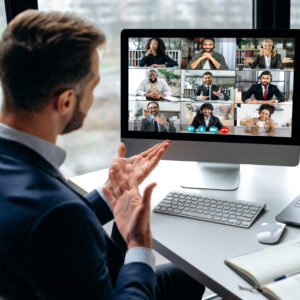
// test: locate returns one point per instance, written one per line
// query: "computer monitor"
(226, 97)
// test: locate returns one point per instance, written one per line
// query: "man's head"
(206, 109)
(208, 44)
(152, 76)
(153, 108)
(47, 56)
(265, 78)
(207, 78)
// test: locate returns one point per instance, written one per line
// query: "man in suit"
(209, 91)
(153, 87)
(205, 117)
(263, 92)
(152, 121)
(207, 58)
(52, 245)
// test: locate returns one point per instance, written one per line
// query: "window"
(295, 14)
(93, 146)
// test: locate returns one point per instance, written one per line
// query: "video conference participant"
(152, 121)
(153, 87)
(263, 91)
(209, 91)
(205, 117)
(156, 56)
(52, 244)
(264, 123)
(207, 58)
(268, 58)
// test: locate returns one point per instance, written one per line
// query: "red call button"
(224, 129)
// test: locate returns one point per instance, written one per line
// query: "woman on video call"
(264, 123)
(268, 58)
(156, 56)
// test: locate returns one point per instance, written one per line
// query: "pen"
(284, 276)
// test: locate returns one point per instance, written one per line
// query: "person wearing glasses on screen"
(264, 123)
(156, 56)
(209, 91)
(153, 87)
(268, 58)
(263, 92)
(207, 58)
(152, 121)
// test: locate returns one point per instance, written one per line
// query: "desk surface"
(199, 247)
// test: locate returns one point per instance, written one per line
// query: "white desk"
(199, 247)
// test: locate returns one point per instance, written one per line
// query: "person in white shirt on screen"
(209, 91)
(153, 87)
(263, 91)
(268, 58)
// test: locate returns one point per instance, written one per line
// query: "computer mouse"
(270, 233)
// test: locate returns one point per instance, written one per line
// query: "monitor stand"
(212, 176)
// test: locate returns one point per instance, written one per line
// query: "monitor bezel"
(216, 33)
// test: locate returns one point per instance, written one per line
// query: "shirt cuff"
(140, 255)
(100, 192)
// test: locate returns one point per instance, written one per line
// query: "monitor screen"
(210, 85)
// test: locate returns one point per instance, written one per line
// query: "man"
(207, 58)
(152, 121)
(52, 245)
(153, 87)
(209, 91)
(205, 117)
(263, 92)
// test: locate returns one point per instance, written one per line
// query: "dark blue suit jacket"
(52, 245)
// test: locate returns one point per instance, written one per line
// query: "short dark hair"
(207, 73)
(153, 102)
(150, 71)
(206, 105)
(161, 49)
(208, 38)
(270, 108)
(44, 53)
(265, 73)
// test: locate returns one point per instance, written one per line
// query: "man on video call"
(153, 87)
(207, 58)
(152, 121)
(209, 91)
(52, 244)
(205, 117)
(263, 92)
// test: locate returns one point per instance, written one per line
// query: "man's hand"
(218, 93)
(131, 210)
(162, 120)
(149, 95)
(158, 66)
(145, 112)
(142, 163)
(156, 96)
(201, 97)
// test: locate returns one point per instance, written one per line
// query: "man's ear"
(65, 102)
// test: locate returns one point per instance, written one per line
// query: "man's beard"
(76, 120)
(209, 50)
(153, 80)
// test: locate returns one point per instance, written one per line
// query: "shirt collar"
(50, 152)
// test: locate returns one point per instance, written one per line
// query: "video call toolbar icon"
(224, 129)
(190, 128)
(213, 129)
(201, 129)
